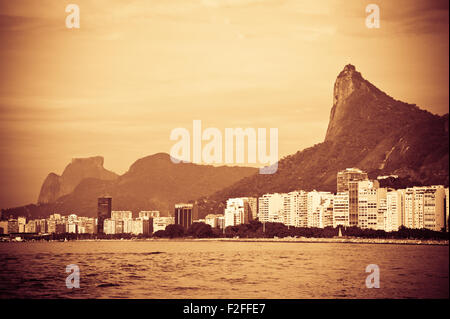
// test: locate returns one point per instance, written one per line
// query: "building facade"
(184, 215)
(104, 208)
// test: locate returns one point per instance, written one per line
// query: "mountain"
(151, 183)
(55, 186)
(368, 129)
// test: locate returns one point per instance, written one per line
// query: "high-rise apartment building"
(109, 226)
(238, 211)
(433, 208)
(424, 207)
(317, 202)
(271, 208)
(367, 208)
(348, 175)
(371, 205)
(147, 214)
(184, 215)
(3, 227)
(160, 223)
(381, 208)
(104, 206)
(341, 210)
(253, 207)
(121, 214)
(327, 214)
(347, 181)
(295, 208)
(213, 220)
(394, 209)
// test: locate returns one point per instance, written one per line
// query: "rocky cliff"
(368, 129)
(55, 186)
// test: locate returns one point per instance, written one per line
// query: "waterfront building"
(21, 221)
(160, 223)
(394, 209)
(128, 226)
(433, 208)
(348, 181)
(424, 207)
(238, 211)
(212, 220)
(121, 214)
(30, 227)
(3, 227)
(381, 208)
(147, 214)
(184, 215)
(348, 175)
(221, 222)
(103, 212)
(327, 213)
(51, 226)
(252, 203)
(295, 208)
(55, 217)
(271, 208)
(317, 203)
(109, 226)
(87, 225)
(13, 226)
(341, 209)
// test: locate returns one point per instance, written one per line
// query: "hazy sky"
(135, 70)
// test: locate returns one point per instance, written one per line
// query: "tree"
(200, 230)
(174, 231)
(160, 234)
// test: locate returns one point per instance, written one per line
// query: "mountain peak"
(94, 160)
(55, 186)
(349, 68)
(362, 114)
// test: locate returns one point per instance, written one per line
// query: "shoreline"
(341, 240)
(311, 240)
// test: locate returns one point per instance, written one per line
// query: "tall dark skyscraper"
(103, 212)
(184, 215)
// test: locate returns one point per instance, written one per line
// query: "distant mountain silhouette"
(368, 129)
(56, 186)
(152, 183)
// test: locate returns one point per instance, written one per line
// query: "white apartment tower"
(295, 208)
(341, 209)
(317, 204)
(237, 211)
(271, 208)
(394, 209)
(424, 207)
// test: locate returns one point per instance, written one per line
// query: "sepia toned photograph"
(221, 154)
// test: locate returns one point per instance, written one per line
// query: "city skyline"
(228, 158)
(291, 52)
(377, 208)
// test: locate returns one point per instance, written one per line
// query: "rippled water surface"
(197, 269)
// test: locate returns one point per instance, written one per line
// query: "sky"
(135, 70)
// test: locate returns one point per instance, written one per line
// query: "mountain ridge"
(153, 182)
(368, 129)
(55, 186)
